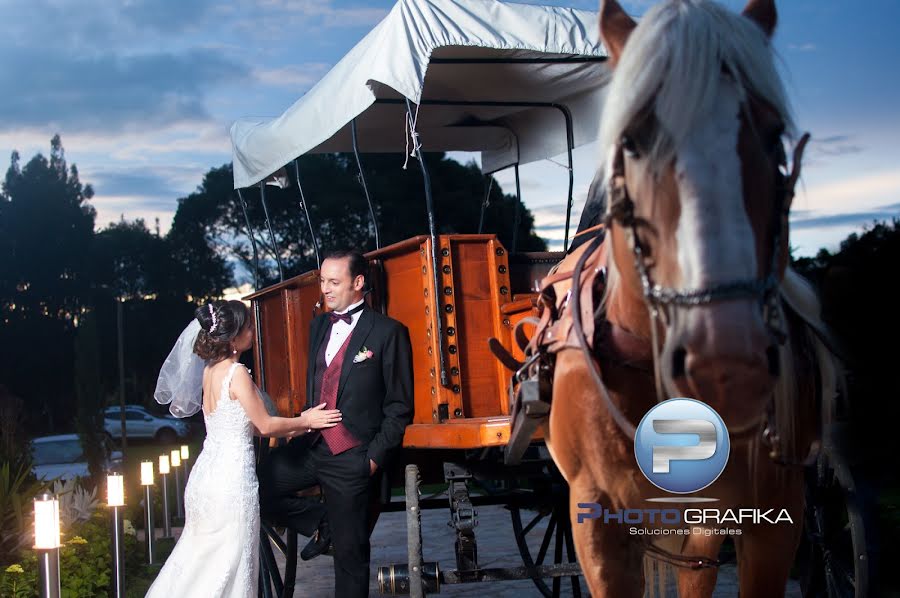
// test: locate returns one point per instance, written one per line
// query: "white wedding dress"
(217, 553)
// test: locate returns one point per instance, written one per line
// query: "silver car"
(62, 457)
(140, 423)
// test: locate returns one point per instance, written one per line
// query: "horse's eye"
(629, 146)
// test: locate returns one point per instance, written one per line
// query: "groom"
(359, 362)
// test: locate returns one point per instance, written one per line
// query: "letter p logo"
(705, 448)
(681, 445)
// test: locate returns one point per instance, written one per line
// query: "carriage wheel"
(834, 555)
(272, 583)
(527, 525)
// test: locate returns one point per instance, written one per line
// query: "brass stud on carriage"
(519, 84)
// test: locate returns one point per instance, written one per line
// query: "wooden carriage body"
(483, 292)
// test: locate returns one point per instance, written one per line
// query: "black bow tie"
(346, 316)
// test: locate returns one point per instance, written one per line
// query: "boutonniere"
(363, 355)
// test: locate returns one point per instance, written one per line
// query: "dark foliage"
(339, 211)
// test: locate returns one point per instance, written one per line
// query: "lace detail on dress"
(217, 554)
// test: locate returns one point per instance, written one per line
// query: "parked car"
(62, 457)
(140, 423)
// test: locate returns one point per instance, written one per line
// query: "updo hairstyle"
(220, 322)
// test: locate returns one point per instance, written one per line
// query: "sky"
(143, 93)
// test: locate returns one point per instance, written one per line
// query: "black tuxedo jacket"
(375, 396)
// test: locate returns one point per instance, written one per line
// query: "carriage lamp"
(164, 474)
(46, 543)
(175, 460)
(115, 499)
(149, 529)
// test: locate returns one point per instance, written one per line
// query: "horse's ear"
(763, 13)
(615, 27)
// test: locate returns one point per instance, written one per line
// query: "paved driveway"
(496, 548)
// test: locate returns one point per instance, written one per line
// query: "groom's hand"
(373, 467)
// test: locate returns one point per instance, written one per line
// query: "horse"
(685, 290)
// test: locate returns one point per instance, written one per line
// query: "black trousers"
(344, 479)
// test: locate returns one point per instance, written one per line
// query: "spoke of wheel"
(265, 588)
(570, 555)
(557, 556)
(535, 521)
(276, 539)
(268, 562)
(546, 543)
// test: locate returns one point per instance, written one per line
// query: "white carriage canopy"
(485, 73)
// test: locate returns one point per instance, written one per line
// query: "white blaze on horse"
(689, 294)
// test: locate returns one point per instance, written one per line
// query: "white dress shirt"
(340, 330)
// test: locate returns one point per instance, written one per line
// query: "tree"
(46, 225)
(339, 211)
(46, 228)
(158, 280)
(89, 395)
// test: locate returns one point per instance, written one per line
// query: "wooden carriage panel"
(476, 293)
(301, 302)
(276, 357)
(474, 302)
(286, 310)
(400, 280)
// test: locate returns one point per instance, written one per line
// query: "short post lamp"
(175, 460)
(147, 483)
(115, 499)
(164, 474)
(186, 461)
(46, 543)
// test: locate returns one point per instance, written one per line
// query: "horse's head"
(692, 138)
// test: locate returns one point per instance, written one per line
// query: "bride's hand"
(318, 417)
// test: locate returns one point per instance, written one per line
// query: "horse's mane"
(672, 64)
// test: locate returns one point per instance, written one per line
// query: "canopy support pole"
(252, 240)
(486, 202)
(567, 115)
(261, 373)
(305, 209)
(432, 231)
(275, 250)
(570, 143)
(362, 180)
(518, 211)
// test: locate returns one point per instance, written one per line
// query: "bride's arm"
(243, 390)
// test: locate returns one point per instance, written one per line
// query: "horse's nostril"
(679, 355)
(773, 359)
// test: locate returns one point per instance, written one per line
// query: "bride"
(216, 554)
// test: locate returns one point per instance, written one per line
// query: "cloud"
(805, 47)
(863, 191)
(131, 207)
(276, 18)
(109, 92)
(855, 219)
(301, 76)
(169, 182)
(831, 147)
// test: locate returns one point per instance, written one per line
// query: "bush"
(18, 487)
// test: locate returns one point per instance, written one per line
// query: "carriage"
(517, 83)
